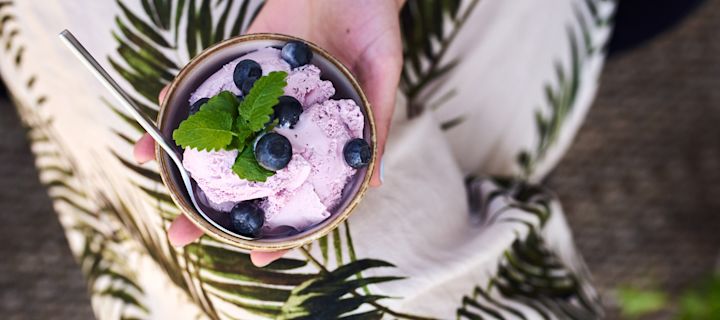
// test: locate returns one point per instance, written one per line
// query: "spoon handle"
(148, 124)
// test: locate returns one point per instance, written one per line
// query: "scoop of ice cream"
(320, 136)
(299, 209)
(212, 171)
(222, 80)
(303, 83)
(303, 193)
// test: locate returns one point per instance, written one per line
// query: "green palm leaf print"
(331, 294)
(561, 96)
(529, 273)
(9, 31)
(110, 278)
(426, 40)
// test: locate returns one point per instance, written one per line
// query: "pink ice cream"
(310, 187)
(303, 83)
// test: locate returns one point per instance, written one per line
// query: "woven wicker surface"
(38, 277)
(640, 185)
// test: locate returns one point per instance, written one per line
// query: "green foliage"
(225, 123)
(701, 302)
(243, 134)
(635, 302)
(225, 102)
(257, 107)
(211, 128)
(246, 167)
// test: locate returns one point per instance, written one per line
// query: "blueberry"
(287, 111)
(296, 53)
(195, 107)
(273, 151)
(247, 85)
(357, 153)
(247, 219)
(245, 74)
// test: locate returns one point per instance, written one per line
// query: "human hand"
(365, 36)
(182, 231)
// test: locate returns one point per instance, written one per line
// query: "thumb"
(261, 258)
(182, 231)
(380, 80)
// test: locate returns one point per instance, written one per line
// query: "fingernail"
(382, 170)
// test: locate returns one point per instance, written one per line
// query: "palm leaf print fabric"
(415, 248)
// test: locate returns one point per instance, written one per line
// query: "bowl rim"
(188, 209)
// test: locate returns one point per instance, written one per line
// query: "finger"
(162, 94)
(182, 232)
(144, 149)
(380, 81)
(263, 258)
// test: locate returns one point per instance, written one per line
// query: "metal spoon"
(81, 53)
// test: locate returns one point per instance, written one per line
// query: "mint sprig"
(246, 167)
(225, 123)
(257, 107)
(211, 128)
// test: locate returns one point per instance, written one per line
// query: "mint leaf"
(225, 102)
(243, 134)
(211, 127)
(246, 167)
(225, 123)
(258, 105)
(271, 126)
(243, 131)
